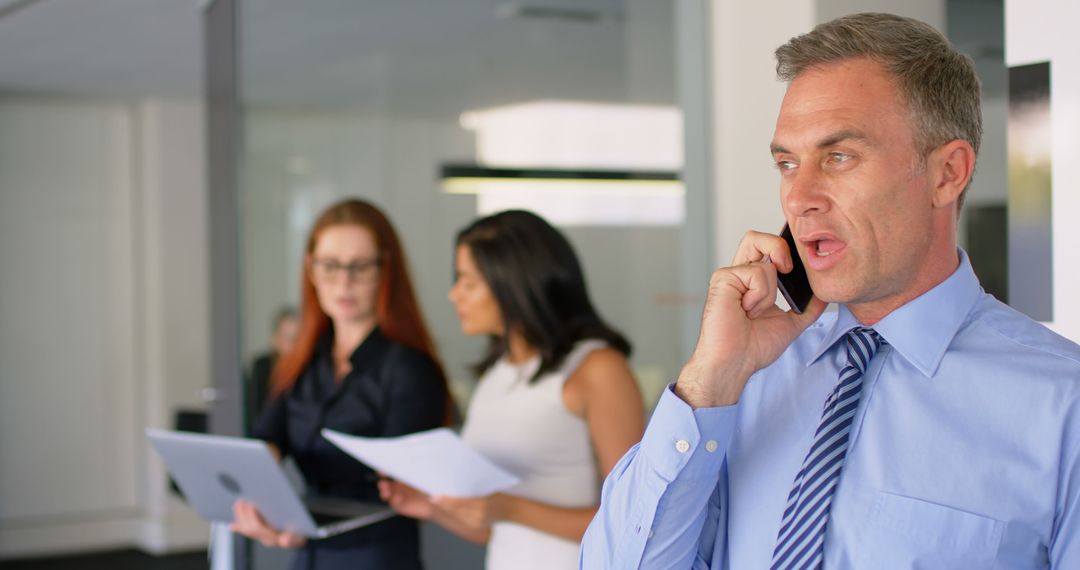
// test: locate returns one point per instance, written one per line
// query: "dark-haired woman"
(556, 403)
(363, 364)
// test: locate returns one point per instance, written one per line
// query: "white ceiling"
(413, 57)
(423, 56)
(101, 47)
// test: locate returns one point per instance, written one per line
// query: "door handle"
(208, 394)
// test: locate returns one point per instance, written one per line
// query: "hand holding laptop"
(238, 480)
(249, 522)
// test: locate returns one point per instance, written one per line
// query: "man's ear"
(951, 166)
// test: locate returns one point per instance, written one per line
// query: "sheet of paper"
(436, 462)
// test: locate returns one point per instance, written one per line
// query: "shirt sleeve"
(416, 395)
(660, 506)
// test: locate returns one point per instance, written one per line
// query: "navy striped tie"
(801, 540)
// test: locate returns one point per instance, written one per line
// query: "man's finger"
(758, 246)
(756, 284)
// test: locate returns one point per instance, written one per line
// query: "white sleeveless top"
(525, 428)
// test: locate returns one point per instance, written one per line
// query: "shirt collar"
(922, 329)
(364, 354)
(372, 345)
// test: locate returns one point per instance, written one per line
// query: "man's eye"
(785, 165)
(838, 157)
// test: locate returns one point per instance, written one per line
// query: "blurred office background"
(161, 162)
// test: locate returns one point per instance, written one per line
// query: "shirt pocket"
(913, 534)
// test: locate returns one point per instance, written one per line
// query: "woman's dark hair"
(536, 280)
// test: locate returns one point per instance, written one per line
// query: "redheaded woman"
(363, 364)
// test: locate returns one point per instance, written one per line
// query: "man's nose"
(806, 192)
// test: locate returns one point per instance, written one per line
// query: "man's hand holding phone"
(742, 329)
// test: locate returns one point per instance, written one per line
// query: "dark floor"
(115, 560)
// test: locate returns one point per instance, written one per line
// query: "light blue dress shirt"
(965, 451)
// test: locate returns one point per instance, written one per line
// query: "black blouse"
(392, 390)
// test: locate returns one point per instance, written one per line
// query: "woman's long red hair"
(396, 310)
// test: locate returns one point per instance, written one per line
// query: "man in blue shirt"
(922, 425)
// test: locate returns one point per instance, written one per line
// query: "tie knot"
(862, 343)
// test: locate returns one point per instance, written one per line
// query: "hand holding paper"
(436, 462)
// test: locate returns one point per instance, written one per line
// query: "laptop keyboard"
(325, 519)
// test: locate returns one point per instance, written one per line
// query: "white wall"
(747, 98)
(67, 323)
(176, 288)
(102, 318)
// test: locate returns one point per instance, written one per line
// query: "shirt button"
(650, 534)
(710, 445)
(682, 446)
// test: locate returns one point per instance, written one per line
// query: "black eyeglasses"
(360, 270)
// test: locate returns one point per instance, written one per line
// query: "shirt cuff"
(682, 442)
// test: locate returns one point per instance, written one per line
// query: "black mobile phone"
(794, 286)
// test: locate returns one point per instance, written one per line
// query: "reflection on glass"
(577, 163)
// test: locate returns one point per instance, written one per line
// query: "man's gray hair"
(936, 82)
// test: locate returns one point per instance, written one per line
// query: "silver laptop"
(214, 471)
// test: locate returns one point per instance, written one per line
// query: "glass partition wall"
(375, 99)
